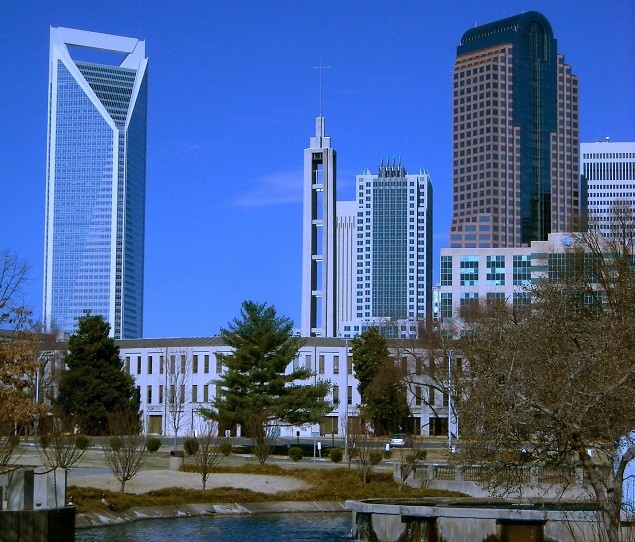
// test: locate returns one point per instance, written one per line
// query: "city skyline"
(230, 117)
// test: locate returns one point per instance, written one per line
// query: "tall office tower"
(319, 273)
(95, 181)
(394, 245)
(515, 136)
(608, 179)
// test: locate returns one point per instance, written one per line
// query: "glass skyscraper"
(515, 144)
(95, 181)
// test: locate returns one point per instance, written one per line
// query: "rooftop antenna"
(320, 67)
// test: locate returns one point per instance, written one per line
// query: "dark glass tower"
(515, 147)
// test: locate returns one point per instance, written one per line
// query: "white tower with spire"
(319, 315)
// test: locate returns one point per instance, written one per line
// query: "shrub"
(153, 444)
(191, 445)
(82, 442)
(375, 457)
(296, 453)
(44, 441)
(336, 455)
(225, 448)
(387, 454)
(13, 440)
(116, 443)
(353, 453)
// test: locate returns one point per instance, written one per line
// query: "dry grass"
(335, 484)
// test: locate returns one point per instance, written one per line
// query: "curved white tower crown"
(318, 318)
(95, 183)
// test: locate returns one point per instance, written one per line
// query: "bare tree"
(364, 450)
(177, 377)
(553, 384)
(263, 434)
(126, 450)
(59, 447)
(210, 448)
(406, 463)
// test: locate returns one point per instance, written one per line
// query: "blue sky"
(233, 98)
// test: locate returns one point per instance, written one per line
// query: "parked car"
(400, 440)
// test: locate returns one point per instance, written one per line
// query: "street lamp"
(450, 400)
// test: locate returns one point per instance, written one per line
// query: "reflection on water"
(318, 527)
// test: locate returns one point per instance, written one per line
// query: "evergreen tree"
(256, 386)
(95, 383)
(381, 383)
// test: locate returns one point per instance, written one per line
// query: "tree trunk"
(123, 486)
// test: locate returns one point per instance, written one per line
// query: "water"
(316, 527)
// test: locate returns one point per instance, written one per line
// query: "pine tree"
(255, 385)
(95, 383)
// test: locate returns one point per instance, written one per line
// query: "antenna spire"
(320, 67)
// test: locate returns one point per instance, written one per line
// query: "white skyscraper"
(95, 182)
(319, 274)
(346, 232)
(608, 177)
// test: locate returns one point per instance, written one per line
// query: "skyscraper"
(515, 145)
(608, 178)
(394, 247)
(95, 181)
(319, 272)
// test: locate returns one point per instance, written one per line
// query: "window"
(205, 393)
(336, 365)
(128, 364)
(172, 365)
(219, 365)
(138, 365)
(161, 394)
(431, 396)
(149, 395)
(195, 364)
(521, 270)
(149, 365)
(445, 399)
(161, 364)
(446, 270)
(321, 364)
(336, 395)
(445, 306)
(418, 395)
(496, 270)
(469, 271)
(206, 364)
(194, 393)
(349, 393)
(307, 362)
(349, 364)
(182, 394)
(172, 396)
(183, 363)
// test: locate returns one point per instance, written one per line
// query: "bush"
(225, 448)
(191, 445)
(82, 442)
(13, 440)
(153, 444)
(375, 457)
(116, 443)
(296, 453)
(387, 454)
(353, 453)
(44, 441)
(336, 455)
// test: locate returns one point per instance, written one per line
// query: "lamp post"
(450, 400)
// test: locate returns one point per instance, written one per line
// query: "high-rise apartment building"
(394, 247)
(608, 179)
(318, 316)
(95, 181)
(515, 145)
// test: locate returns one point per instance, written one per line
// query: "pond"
(316, 527)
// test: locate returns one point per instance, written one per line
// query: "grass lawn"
(336, 483)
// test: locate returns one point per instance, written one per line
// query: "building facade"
(470, 276)
(95, 182)
(515, 136)
(393, 257)
(608, 178)
(318, 316)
